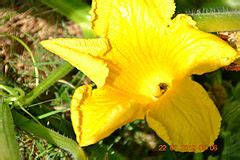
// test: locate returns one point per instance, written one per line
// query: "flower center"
(162, 88)
(156, 85)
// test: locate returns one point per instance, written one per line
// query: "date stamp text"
(189, 148)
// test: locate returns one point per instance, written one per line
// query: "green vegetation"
(36, 86)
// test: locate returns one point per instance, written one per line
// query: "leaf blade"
(8, 143)
(50, 135)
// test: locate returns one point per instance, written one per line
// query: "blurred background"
(34, 20)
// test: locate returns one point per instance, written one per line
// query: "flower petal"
(96, 115)
(185, 117)
(83, 54)
(122, 15)
(142, 58)
(192, 51)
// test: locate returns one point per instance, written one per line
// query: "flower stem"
(60, 72)
(215, 21)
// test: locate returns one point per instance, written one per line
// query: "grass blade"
(60, 72)
(8, 143)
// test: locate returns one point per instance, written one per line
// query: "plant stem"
(60, 72)
(217, 21)
(10, 90)
(50, 135)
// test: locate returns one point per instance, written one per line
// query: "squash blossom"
(142, 64)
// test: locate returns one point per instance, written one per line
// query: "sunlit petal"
(185, 117)
(140, 61)
(95, 115)
(109, 16)
(84, 54)
(187, 50)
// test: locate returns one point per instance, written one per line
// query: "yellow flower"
(142, 65)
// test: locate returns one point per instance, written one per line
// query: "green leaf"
(8, 143)
(50, 135)
(231, 126)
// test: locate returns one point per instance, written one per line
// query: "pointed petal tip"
(83, 54)
(48, 44)
(44, 43)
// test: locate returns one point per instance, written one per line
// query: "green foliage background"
(133, 141)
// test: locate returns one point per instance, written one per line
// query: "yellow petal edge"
(84, 54)
(106, 13)
(96, 114)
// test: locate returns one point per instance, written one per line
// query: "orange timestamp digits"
(189, 148)
(213, 148)
(162, 147)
